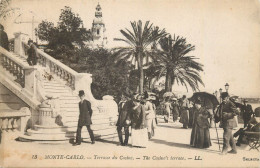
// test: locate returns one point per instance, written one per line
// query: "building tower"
(98, 29)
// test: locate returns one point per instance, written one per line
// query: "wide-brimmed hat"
(81, 93)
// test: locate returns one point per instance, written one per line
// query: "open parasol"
(207, 99)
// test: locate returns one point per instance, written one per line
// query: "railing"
(13, 120)
(15, 66)
(56, 67)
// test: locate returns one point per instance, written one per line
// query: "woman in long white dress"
(139, 132)
(150, 117)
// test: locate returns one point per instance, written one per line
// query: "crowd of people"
(138, 112)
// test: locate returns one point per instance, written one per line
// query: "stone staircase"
(33, 88)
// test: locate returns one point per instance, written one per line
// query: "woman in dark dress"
(200, 136)
(139, 132)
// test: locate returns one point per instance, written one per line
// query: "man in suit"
(85, 113)
(229, 110)
(32, 54)
(124, 109)
(247, 111)
(3, 38)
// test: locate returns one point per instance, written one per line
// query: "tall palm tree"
(139, 42)
(176, 66)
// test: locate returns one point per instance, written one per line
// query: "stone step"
(66, 101)
(57, 91)
(95, 125)
(70, 105)
(70, 109)
(55, 88)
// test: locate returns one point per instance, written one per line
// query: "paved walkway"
(168, 148)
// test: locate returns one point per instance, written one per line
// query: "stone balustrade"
(14, 66)
(13, 120)
(59, 69)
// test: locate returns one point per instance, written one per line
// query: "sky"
(226, 34)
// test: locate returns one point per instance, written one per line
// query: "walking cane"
(216, 131)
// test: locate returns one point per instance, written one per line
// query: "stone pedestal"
(19, 38)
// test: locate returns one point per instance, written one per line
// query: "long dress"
(175, 112)
(200, 136)
(184, 117)
(139, 132)
(167, 109)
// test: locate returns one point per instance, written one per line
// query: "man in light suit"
(229, 110)
(85, 113)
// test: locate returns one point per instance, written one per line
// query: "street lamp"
(226, 87)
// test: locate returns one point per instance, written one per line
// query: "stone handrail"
(55, 66)
(14, 119)
(76, 81)
(14, 66)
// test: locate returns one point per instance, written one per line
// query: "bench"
(253, 139)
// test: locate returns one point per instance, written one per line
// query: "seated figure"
(253, 126)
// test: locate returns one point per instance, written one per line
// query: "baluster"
(56, 70)
(5, 123)
(69, 80)
(52, 67)
(1, 124)
(62, 74)
(44, 61)
(3, 61)
(15, 70)
(73, 83)
(22, 78)
(11, 69)
(59, 72)
(9, 126)
(7, 64)
(66, 76)
(40, 59)
(15, 126)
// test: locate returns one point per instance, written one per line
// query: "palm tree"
(176, 66)
(139, 41)
(5, 9)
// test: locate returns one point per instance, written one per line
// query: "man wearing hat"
(3, 38)
(247, 111)
(228, 110)
(124, 110)
(32, 54)
(85, 113)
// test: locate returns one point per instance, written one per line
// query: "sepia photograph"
(129, 83)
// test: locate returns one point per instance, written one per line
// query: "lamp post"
(227, 87)
(220, 91)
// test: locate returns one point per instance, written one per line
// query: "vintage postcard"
(129, 83)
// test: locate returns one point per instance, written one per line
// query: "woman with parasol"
(200, 136)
